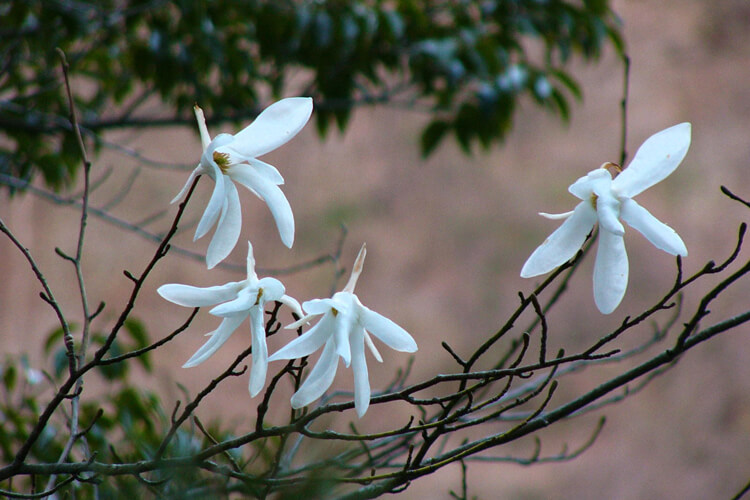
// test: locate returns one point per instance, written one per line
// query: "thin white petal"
(562, 244)
(610, 272)
(373, 349)
(205, 137)
(276, 125)
(387, 331)
(608, 211)
(359, 263)
(304, 320)
(227, 230)
(193, 296)
(556, 216)
(272, 195)
(216, 340)
(195, 173)
(319, 379)
(361, 377)
(215, 204)
(657, 157)
(309, 342)
(659, 234)
(250, 263)
(272, 288)
(260, 352)
(345, 322)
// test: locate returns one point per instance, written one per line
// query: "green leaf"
(432, 136)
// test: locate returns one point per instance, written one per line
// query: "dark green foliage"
(468, 62)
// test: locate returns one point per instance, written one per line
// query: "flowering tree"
(61, 442)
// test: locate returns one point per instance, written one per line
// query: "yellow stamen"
(222, 160)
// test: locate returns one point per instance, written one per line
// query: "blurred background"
(447, 237)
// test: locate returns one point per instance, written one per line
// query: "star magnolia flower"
(607, 201)
(239, 299)
(344, 329)
(229, 158)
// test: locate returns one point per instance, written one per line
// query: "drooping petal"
(374, 350)
(195, 173)
(563, 243)
(216, 340)
(227, 230)
(386, 330)
(272, 289)
(608, 212)
(659, 234)
(309, 342)
(276, 125)
(215, 204)
(260, 352)
(292, 304)
(272, 195)
(345, 322)
(319, 379)
(610, 272)
(193, 296)
(561, 216)
(657, 157)
(321, 306)
(584, 186)
(361, 377)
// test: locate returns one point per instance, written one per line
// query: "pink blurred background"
(446, 240)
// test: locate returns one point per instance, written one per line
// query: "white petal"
(562, 244)
(276, 125)
(195, 173)
(304, 320)
(387, 331)
(260, 352)
(273, 289)
(359, 263)
(205, 137)
(228, 229)
(215, 204)
(292, 304)
(556, 216)
(596, 180)
(373, 349)
(246, 299)
(309, 342)
(608, 212)
(320, 378)
(361, 378)
(658, 157)
(610, 272)
(346, 322)
(216, 340)
(321, 306)
(659, 234)
(193, 296)
(250, 263)
(272, 195)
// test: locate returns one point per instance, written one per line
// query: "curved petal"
(292, 304)
(320, 306)
(608, 212)
(610, 272)
(361, 377)
(245, 299)
(195, 173)
(387, 331)
(320, 378)
(260, 352)
(216, 340)
(272, 289)
(659, 234)
(193, 296)
(562, 244)
(276, 125)
(657, 157)
(272, 195)
(205, 137)
(228, 229)
(309, 342)
(359, 263)
(345, 324)
(214, 207)
(584, 186)
(374, 350)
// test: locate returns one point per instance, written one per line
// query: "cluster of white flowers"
(345, 325)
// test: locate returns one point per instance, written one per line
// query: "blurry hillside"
(446, 240)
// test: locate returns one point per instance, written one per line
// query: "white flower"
(607, 201)
(229, 158)
(344, 329)
(239, 299)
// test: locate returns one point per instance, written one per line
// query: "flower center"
(222, 160)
